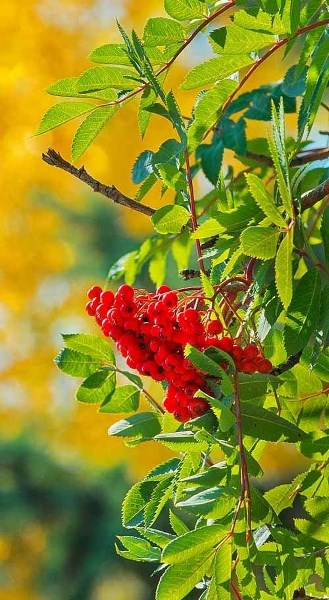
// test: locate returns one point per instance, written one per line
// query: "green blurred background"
(62, 479)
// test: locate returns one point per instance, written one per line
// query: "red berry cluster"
(151, 331)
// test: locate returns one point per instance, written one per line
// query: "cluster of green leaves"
(257, 219)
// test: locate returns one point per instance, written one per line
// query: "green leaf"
(134, 503)
(223, 570)
(203, 362)
(313, 530)
(89, 130)
(264, 200)
(283, 496)
(143, 425)
(62, 113)
(143, 166)
(164, 470)
(181, 248)
(184, 10)
(209, 228)
(98, 78)
(215, 502)
(318, 508)
(97, 387)
(276, 144)
(283, 269)
(303, 312)
(177, 524)
(325, 233)
(76, 364)
(139, 549)
(214, 70)
(91, 345)
(260, 242)
(183, 577)
(262, 21)
(316, 83)
(237, 40)
(124, 399)
(192, 543)
(160, 31)
(261, 423)
(207, 111)
(181, 441)
(110, 54)
(67, 87)
(170, 219)
(160, 496)
(147, 99)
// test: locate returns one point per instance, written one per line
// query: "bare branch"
(312, 197)
(54, 159)
(301, 158)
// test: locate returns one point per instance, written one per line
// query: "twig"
(168, 64)
(262, 59)
(288, 364)
(191, 274)
(54, 159)
(193, 211)
(245, 486)
(301, 158)
(310, 198)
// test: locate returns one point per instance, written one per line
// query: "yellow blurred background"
(56, 240)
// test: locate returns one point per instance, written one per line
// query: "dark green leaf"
(261, 423)
(303, 312)
(143, 166)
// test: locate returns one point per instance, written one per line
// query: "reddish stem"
(168, 64)
(236, 592)
(193, 211)
(245, 486)
(265, 57)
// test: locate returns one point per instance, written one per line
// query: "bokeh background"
(62, 479)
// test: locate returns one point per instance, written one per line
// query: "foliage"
(262, 255)
(66, 517)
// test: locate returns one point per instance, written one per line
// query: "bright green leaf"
(160, 31)
(214, 70)
(62, 113)
(91, 345)
(89, 130)
(97, 387)
(264, 200)
(303, 312)
(283, 269)
(260, 242)
(142, 425)
(170, 219)
(124, 399)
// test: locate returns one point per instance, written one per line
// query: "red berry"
(226, 344)
(237, 352)
(197, 407)
(91, 306)
(170, 300)
(94, 292)
(264, 365)
(250, 351)
(162, 289)
(107, 298)
(182, 414)
(125, 292)
(214, 327)
(248, 366)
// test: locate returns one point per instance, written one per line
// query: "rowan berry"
(264, 365)
(94, 292)
(170, 300)
(250, 351)
(226, 344)
(107, 298)
(197, 407)
(126, 292)
(162, 289)
(248, 366)
(214, 327)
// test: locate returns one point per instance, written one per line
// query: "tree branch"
(287, 365)
(319, 193)
(301, 158)
(54, 159)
